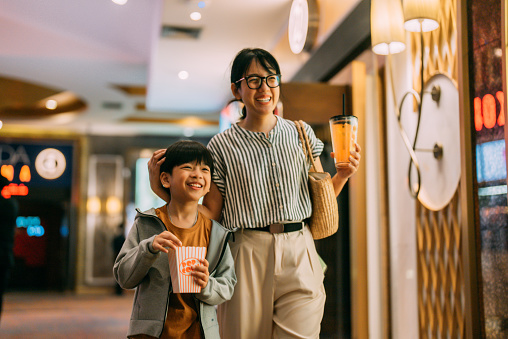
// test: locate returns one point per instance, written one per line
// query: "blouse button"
(277, 185)
(273, 164)
(281, 207)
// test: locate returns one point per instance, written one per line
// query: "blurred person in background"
(8, 214)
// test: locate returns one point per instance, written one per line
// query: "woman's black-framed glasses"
(255, 81)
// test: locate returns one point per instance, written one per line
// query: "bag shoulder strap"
(304, 139)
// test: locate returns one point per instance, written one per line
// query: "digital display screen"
(491, 161)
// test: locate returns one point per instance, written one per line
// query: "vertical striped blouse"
(263, 180)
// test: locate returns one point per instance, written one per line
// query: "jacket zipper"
(224, 245)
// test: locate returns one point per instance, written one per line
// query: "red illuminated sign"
(485, 112)
(14, 189)
(7, 171)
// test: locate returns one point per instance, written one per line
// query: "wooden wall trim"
(357, 215)
(504, 33)
(470, 248)
(384, 207)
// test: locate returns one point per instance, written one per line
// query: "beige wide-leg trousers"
(279, 293)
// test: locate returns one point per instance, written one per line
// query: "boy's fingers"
(200, 278)
(159, 247)
(200, 268)
(171, 237)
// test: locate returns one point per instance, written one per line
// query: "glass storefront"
(492, 212)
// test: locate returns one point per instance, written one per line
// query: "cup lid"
(342, 117)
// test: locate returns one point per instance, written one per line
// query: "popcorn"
(181, 262)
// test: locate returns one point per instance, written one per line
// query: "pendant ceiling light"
(386, 22)
(421, 15)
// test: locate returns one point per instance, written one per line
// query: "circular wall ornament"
(50, 163)
(438, 145)
(303, 25)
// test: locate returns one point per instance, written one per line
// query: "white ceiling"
(88, 46)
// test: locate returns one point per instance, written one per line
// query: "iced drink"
(344, 129)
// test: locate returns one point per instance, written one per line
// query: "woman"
(261, 180)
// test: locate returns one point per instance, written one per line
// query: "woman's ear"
(236, 92)
(164, 177)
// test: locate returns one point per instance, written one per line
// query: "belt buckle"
(276, 228)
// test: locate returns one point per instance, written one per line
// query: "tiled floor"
(65, 315)
(69, 315)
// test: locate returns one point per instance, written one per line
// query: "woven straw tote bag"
(324, 220)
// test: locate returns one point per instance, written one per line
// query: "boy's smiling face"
(188, 182)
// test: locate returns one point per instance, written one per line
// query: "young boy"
(157, 312)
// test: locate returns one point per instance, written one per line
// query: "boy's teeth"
(196, 185)
(264, 100)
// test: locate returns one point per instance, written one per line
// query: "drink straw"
(343, 103)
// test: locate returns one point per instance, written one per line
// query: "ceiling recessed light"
(51, 104)
(195, 16)
(188, 132)
(183, 75)
(120, 2)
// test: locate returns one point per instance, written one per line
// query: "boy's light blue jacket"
(137, 267)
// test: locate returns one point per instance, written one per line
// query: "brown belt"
(282, 228)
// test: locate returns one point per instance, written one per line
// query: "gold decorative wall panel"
(440, 47)
(440, 272)
(439, 257)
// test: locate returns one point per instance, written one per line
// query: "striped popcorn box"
(181, 262)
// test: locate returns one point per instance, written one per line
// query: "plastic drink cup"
(344, 130)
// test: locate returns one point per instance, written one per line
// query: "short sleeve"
(315, 144)
(219, 172)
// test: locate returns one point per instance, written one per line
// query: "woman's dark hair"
(242, 62)
(186, 151)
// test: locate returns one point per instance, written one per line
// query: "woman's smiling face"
(260, 101)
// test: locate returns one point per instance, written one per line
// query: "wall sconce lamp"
(388, 37)
(93, 205)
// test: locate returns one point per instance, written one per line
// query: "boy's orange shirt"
(182, 319)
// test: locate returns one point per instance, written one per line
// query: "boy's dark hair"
(186, 151)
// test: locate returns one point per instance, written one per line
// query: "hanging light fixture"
(387, 36)
(421, 15)
(386, 22)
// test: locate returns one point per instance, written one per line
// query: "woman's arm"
(212, 203)
(154, 170)
(343, 172)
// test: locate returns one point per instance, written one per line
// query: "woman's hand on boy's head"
(347, 171)
(165, 240)
(201, 274)
(154, 169)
